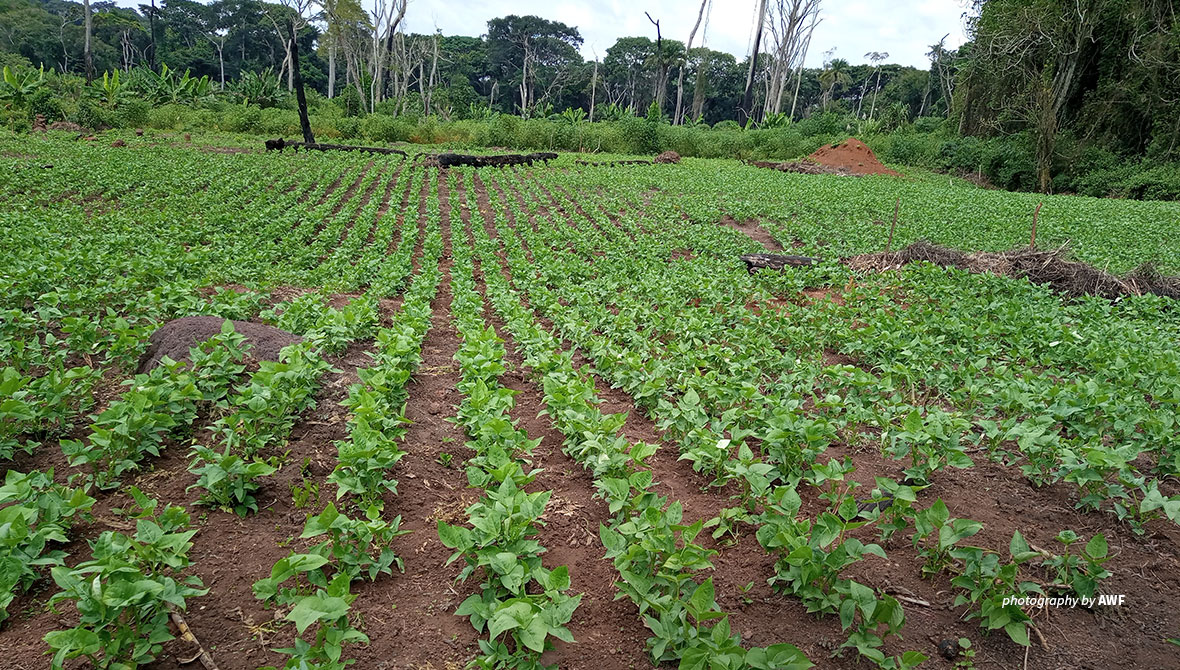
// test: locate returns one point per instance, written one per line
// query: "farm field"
(543, 416)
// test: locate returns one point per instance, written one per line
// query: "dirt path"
(411, 617)
(750, 228)
(608, 627)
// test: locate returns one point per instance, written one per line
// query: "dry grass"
(1047, 266)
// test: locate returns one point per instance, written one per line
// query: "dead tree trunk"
(300, 96)
(680, 78)
(748, 96)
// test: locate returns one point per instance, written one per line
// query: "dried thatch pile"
(1038, 266)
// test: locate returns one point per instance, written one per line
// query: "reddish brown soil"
(751, 228)
(410, 616)
(852, 155)
(175, 338)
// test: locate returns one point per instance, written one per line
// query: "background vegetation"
(1049, 95)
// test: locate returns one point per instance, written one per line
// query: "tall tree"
(1030, 58)
(677, 118)
(529, 51)
(791, 24)
(835, 74)
(87, 53)
(748, 95)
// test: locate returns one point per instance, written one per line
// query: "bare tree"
(799, 68)
(593, 85)
(662, 80)
(791, 24)
(676, 119)
(748, 95)
(387, 16)
(876, 57)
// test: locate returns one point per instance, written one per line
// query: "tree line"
(1063, 86)
(524, 65)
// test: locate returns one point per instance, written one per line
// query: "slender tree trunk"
(87, 56)
(152, 27)
(876, 89)
(680, 78)
(300, 97)
(593, 89)
(332, 70)
(748, 95)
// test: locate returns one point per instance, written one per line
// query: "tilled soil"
(409, 615)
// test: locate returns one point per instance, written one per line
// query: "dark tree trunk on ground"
(304, 122)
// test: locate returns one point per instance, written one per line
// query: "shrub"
(133, 113)
(44, 102)
(1009, 162)
(828, 123)
(349, 127)
(639, 135)
(242, 119)
(382, 128)
(278, 122)
(169, 117)
(928, 124)
(909, 148)
(90, 115)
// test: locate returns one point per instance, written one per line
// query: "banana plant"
(17, 86)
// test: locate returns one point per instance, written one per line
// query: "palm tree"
(835, 74)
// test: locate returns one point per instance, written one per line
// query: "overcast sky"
(903, 28)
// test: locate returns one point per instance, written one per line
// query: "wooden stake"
(896, 211)
(186, 634)
(1036, 212)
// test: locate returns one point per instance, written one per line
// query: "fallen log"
(504, 160)
(280, 144)
(754, 262)
(613, 163)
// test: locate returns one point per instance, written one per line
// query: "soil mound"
(668, 157)
(66, 125)
(175, 338)
(1040, 267)
(851, 155)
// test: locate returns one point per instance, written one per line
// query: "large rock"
(175, 338)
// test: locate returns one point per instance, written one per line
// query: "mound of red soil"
(668, 157)
(175, 338)
(851, 155)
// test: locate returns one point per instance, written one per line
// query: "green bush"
(43, 102)
(240, 119)
(15, 120)
(133, 113)
(1161, 182)
(828, 123)
(169, 117)
(909, 148)
(641, 136)
(1009, 162)
(276, 122)
(382, 128)
(349, 127)
(929, 124)
(90, 115)
(500, 132)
